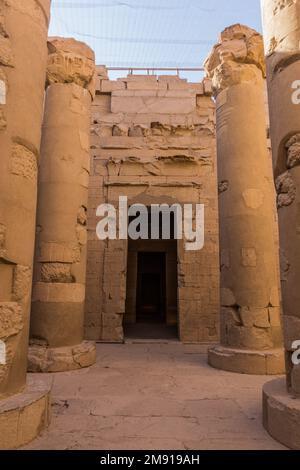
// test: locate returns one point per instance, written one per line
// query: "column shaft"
(282, 37)
(251, 334)
(23, 58)
(60, 268)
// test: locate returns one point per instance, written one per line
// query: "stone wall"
(153, 140)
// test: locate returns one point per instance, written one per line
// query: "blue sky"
(151, 33)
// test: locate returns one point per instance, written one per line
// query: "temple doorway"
(152, 286)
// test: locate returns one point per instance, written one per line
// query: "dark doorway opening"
(151, 288)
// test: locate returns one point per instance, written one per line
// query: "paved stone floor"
(155, 396)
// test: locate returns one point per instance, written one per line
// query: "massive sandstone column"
(23, 55)
(282, 40)
(251, 338)
(60, 268)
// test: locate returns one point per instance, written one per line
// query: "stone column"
(23, 55)
(251, 337)
(60, 269)
(282, 38)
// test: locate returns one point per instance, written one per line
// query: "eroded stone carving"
(23, 162)
(6, 54)
(56, 272)
(3, 122)
(71, 61)
(82, 215)
(2, 236)
(223, 186)
(284, 266)
(293, 151)
(21, 283)
(11, 319)
(120, 130)
(286, 190)
(237, 58)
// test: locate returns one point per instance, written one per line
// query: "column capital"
(238, 57)
(71, 61)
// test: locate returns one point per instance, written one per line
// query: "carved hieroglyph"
(281, 21)
(59, 281)
(251, 336)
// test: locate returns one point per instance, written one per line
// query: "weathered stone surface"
(24, 416)
(286, 190)
(223, 186)
(56, 272)
(11, 319)
(189, 404)
(2, 236)
(43, 359)
(147, 105)
(22, 283)
(61, 292)
(295, 380)
(255, 317)
(24, 410)
(23, 163)
(237, 58)
(6, 53)
(102, 72)
(82, 215)
(246, 361)
(23, 57)
(291, 331)
(281, 34)
(281, 414)
(60, 270)
(253, 198)
(68, 252)
(3, 122)
(293, 151)
(281, 25)
(227, 298)
(71, 61)
(108, 86)
(154, 142)
(139, 131)
(120, 130)
(249, 257)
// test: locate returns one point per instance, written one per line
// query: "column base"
(43, 359)
(281, 412)
(25, 415)
(269, 362)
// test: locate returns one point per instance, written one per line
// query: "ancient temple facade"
(153, 142)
